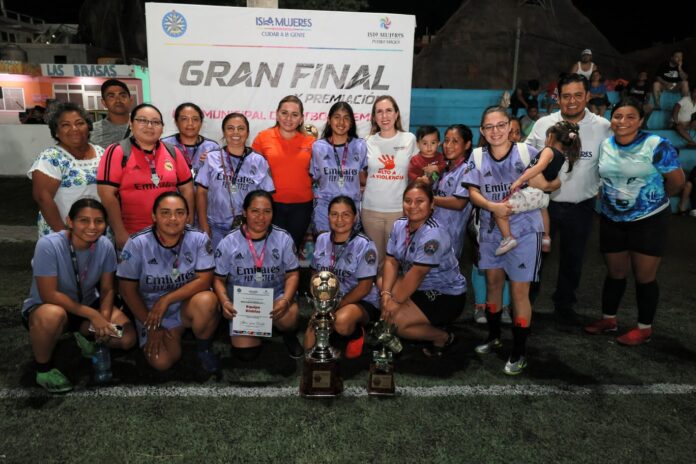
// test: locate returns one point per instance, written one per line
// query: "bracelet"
(385, 292)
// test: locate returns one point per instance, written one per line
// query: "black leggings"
(293, 217)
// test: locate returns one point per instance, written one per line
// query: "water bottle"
(102, 363)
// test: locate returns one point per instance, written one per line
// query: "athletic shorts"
(647, 236)
(373, 313)
(169, 321)
(521, 264)
(74, 321)
(440, 309)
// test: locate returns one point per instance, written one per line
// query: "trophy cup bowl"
(320, 373)
(381, 379)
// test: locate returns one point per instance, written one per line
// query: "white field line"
(357, 392)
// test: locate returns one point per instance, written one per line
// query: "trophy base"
(381, 382)
(320, 379)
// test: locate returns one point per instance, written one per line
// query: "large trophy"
(381, 380)
(320, 374)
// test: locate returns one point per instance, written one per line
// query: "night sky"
(627, 26)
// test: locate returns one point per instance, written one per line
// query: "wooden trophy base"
(320, 379)
(381, 383)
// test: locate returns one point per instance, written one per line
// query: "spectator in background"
(584, 67)
(528, 120)
(35, 115)
(526, 94)
(515, 130)
(670, 76)
(639, 89)
(688, 193)
(117, 99)
(683, 117)
(598, 94)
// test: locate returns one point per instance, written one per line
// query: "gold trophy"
(320, 373)
(381, 379)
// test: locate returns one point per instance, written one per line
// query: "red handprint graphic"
(387, 161)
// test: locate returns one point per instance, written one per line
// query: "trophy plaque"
(381, 378)
(320, 373)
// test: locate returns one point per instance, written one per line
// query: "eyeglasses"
(146, 122)
(500, 126)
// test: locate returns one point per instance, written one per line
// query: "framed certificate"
(254, 307)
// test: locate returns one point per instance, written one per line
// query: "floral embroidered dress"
(78, 178)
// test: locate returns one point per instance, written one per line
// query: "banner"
(229, 59)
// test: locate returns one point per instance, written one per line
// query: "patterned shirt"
(78, 178)
(235, 261)
(329, 161)
(249, 172)
(351, 262)
(632, 183)
(159, 269)
(450, 185)
(428, 246)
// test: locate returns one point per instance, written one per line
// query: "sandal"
(433, 351)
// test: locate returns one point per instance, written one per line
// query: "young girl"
(562, 141)
(338, 159)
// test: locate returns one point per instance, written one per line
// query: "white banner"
(229, 59)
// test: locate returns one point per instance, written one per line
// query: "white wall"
(20, 145)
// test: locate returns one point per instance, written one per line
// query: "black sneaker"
(292, 344)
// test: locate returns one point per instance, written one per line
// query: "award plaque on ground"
(320, 373)
(381, 379)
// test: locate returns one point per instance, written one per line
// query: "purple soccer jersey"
(225, 198)
(235, 261)
(159, 269)
(430, 246)
(493, 180)
(336, 168)
(52, 259)
(193, 153)
(351, 262)
(450, 185)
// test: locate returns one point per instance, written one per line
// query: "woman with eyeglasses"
(129, 183)
(489, 174)
(188, 118)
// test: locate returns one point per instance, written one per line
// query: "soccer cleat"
(489, 346)
(480, 314)
(355, 346)
(515, 368)
(293, 346)
(506, 316)
(209, 361)
(87, 347)
(635, 337)
(600, 326)
(506, 244)
(53, 381)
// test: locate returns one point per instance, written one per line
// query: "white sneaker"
(506, 316)
(514, 368)
(489, 346)
(480, 314)
(692, 213)
(506, 244)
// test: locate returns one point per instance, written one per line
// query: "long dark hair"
(83, 203)
(568, 135)
(352, 132)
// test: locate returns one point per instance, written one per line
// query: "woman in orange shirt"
(288, 151)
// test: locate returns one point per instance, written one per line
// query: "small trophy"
(320, 373)
(381, 380)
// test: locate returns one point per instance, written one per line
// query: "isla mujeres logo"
(174, 24)
(284, 27)
(385, 23)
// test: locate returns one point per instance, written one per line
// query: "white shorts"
(528, 199)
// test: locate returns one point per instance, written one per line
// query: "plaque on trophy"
(381, 378)
(320, 373)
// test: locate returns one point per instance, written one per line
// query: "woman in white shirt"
(389, 150)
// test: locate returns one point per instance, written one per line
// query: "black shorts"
(74, 321)
(440, 309)
(692, 175)
(646, 236)
(373, 313)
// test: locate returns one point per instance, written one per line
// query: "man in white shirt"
(117, 99)
(571, 208)
(682, 116)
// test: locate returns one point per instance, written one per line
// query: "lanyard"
(336, 257)
(234, 173)
(189, 156)
(79, 276)
(341, 163)
(175, 250)
(152, 162)
(408, 240)
(258, 260)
